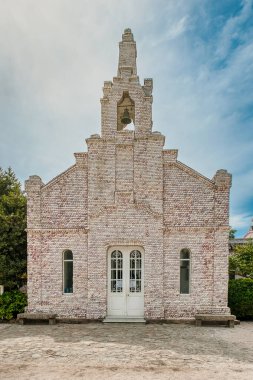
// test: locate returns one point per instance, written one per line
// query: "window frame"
(135, 272)
(116, 257)
(189, 260)
(63, 271)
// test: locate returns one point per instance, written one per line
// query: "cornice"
(196, 228)
(60, 230)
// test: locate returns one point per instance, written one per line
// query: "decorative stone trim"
(58, 177)
(170, 155)
(60, 230)
(195, 228)
(97, 212)
(81, 159)
(124, 242)
(149, 210)
(191, 172)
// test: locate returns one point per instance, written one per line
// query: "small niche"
(125, 107)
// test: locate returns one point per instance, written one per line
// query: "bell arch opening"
(125, 111)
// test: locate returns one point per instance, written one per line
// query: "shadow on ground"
(180, 339)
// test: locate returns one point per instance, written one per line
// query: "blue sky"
(56, 54)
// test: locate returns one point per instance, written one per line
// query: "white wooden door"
(125, 282)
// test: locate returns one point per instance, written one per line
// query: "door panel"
(125, 282)
(116, 288)
(135, 293)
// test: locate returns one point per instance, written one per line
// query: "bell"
(126, 117)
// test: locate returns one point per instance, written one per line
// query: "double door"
(125, 282)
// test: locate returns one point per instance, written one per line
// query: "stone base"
(228, 319)
(22, 317)
(124, 320)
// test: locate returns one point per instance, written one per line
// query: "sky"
(56, 54)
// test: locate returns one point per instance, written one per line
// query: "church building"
(128, 232)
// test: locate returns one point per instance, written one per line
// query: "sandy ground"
(128, 351)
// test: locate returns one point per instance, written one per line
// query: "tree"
(240, 297)
(12, 231)
(232, 233)
(241, 262)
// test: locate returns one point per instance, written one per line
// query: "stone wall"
(128, 190)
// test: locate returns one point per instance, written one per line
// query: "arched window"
(67, 271)
(135, 271)
(185, 271)
(116, 271)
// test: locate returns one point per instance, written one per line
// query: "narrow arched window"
(185, 271)
(67, 271)
(116, 272)
(135, 272)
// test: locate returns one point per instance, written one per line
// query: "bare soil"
(126, 351)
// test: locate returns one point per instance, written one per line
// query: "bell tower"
(125, 181)
(122, 159)
(124, 100)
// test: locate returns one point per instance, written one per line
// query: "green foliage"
(240, 298)
(12, 231)
(12, 303)
(241, 262)
(232, 233)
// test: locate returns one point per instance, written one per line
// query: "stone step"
(124, 320)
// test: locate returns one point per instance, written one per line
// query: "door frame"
(122, 248)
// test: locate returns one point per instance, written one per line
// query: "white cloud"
(174, 31)
(55, 55)
(240, 221)
(232, 29)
